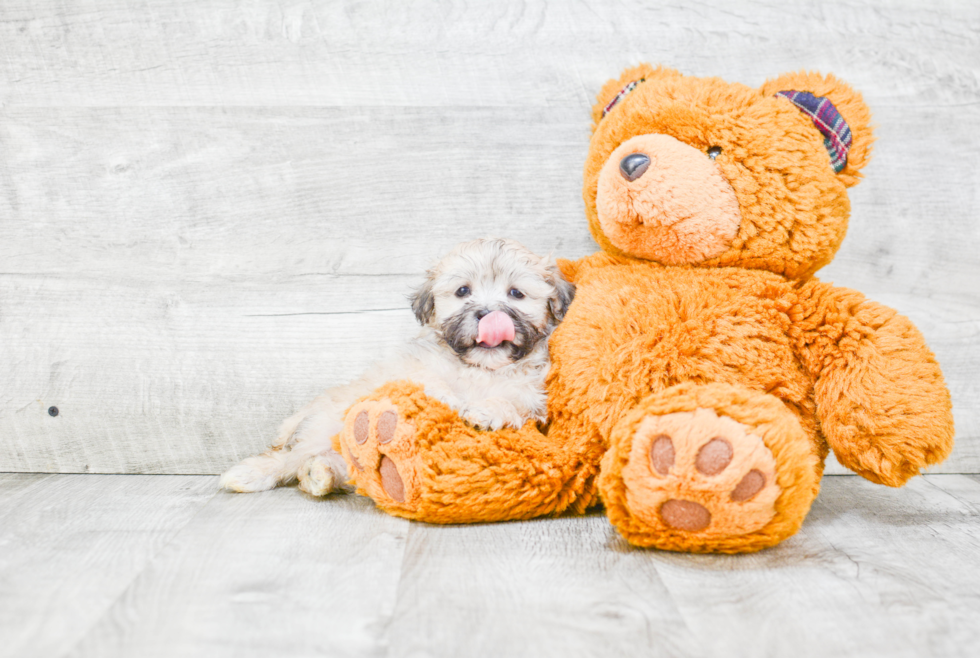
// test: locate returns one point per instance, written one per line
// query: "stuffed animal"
(702, 372)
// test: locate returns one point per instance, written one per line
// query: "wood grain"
(96, 565)
(271, 574)
(267, 193)
(556, 587)
(428, 54)
(71, 544)
(209, 211)
(873, 572)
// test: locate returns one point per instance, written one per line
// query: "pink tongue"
(495, 328)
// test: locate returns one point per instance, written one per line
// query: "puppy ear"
(424, 301)
(564, 293)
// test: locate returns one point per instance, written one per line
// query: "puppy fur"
(491, 387)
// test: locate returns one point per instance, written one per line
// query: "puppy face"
(492, 301)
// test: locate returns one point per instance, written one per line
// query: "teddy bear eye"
(463, 291)
(714, 152)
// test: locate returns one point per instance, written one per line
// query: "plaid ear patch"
(836, 132)
(620, 96)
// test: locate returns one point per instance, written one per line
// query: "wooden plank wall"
(212, 209)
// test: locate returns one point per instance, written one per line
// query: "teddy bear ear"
(837, 111)
(617, 89)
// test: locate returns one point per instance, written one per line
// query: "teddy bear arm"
(881, 399)
(417, 459)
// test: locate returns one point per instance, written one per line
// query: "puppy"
(486, 311)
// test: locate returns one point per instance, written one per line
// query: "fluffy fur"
(696, 391)
(490, 387)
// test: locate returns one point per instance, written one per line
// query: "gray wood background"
(210, 210)
(107, 566)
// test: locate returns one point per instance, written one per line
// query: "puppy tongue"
(495, 328)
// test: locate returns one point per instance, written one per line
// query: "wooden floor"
(141, 565)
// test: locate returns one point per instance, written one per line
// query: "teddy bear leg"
(417, 459)
(709, 468)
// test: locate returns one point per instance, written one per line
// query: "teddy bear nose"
(633, 166)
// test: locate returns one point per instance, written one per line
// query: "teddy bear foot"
(698, 472)
(378, 444)
(697, 476)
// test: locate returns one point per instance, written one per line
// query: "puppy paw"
(322, 474)
(481, 418)
(259, 473)
(493, 414)
(700, 473)
(378, 443)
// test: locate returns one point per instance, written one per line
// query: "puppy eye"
(714, 152)
(516, 294)
(463, 291)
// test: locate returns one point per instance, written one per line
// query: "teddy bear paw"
(700, 473)
(378, 444)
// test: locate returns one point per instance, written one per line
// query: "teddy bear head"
(703, 172)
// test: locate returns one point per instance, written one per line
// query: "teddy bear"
(702, 373)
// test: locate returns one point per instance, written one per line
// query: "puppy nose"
(633, 166)
(481, 313)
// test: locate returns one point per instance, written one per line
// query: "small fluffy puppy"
(486, 311)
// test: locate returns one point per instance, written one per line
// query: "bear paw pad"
(698, 472)
(379, 445)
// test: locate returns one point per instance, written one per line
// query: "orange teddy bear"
(702, 373)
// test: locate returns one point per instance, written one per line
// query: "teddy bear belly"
(636, 330)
